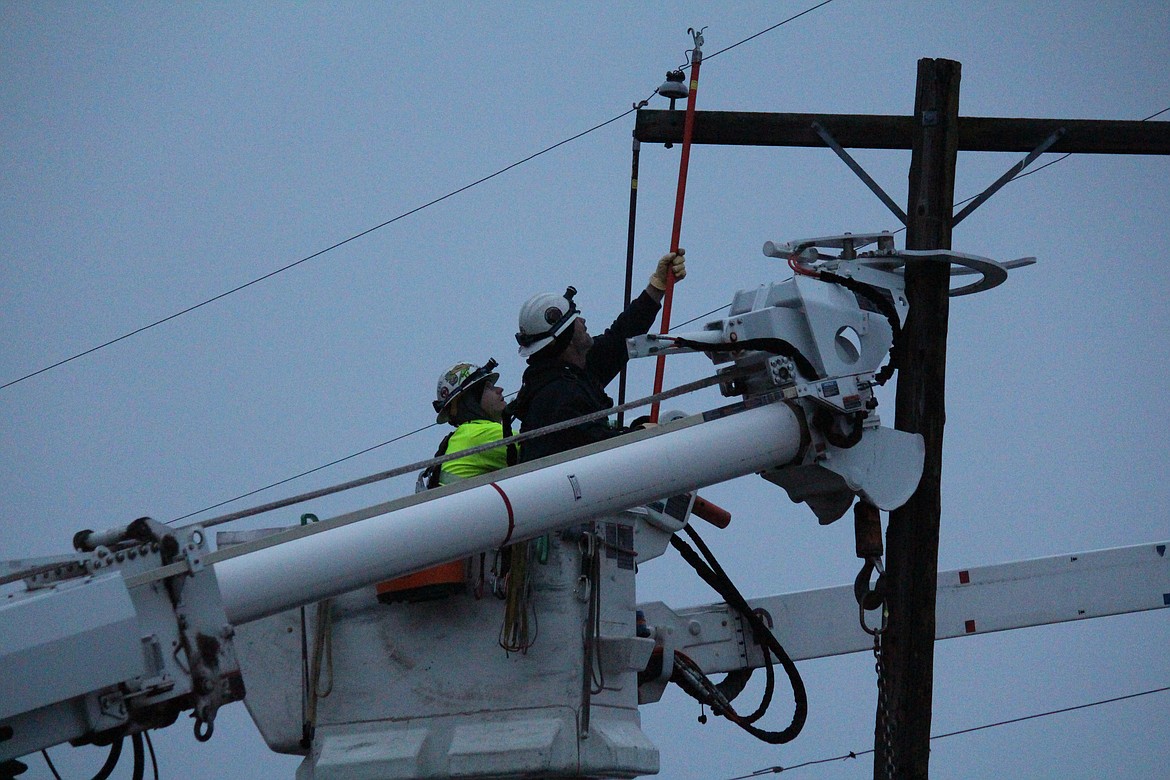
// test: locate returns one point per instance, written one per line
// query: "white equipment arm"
(825, 622)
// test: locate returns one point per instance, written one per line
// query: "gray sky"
(157, 155)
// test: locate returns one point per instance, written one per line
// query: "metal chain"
(868, 531)
(884, 705)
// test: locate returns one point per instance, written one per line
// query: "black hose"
(49, 761)
(718, 579)
(111, 760)
(774, 346)
(139, 757)
(153, 758)
(713, 574)
(884, 306)
(733, 684)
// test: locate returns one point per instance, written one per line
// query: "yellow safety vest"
(468, 435)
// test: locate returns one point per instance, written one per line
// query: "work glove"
(676, 263)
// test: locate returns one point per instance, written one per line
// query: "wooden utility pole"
(934, 134)
(913, 532)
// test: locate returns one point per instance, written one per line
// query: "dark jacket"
(553, 391)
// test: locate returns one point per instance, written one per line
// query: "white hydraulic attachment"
(818, 341)
(88, 657)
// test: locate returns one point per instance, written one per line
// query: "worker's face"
(492, 401)
(582, 341)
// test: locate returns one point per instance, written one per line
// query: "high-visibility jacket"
(468, 435)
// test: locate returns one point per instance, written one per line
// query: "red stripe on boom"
(511, 516)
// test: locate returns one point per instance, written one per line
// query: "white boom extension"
(970, 601)
(302, 565)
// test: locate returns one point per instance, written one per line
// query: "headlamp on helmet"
(457, 380)
(544, 317)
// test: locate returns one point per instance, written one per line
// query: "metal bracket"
(1011, 174)
(884, 267)
(861, 174)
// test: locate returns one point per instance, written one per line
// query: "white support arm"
(824, 622)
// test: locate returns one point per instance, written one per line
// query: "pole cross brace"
(1011, 174)
(861, 174)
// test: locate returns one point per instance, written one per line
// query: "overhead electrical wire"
(302, 474)
(432, 425)
(359, 452)
(318, 253)
(420, 208)
(710, 57)
(390, 221)
(370, 479)
(356, 454)
(775, 770)
(1065, 156)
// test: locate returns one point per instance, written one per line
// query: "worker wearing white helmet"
(568, 369)
(468, 398)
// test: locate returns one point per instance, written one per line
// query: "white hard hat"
(543, 317)
(457, 380)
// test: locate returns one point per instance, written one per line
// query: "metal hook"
(870, 597)
(874, 632)
(203, 728)
(697, 37)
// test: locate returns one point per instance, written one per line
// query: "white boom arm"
(825, 622)
(326, 559)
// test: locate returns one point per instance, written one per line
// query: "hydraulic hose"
(139, 757)
(714, 575)
(884, 306)
(111, 760)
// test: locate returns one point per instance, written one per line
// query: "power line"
(302, 474)
(432, 425)
(341, 243)
(356, 454)
(709, 57)
(773, 770)
(519, 438)
(1068, 154)
(391, 221)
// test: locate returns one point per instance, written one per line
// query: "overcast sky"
(158, 155)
